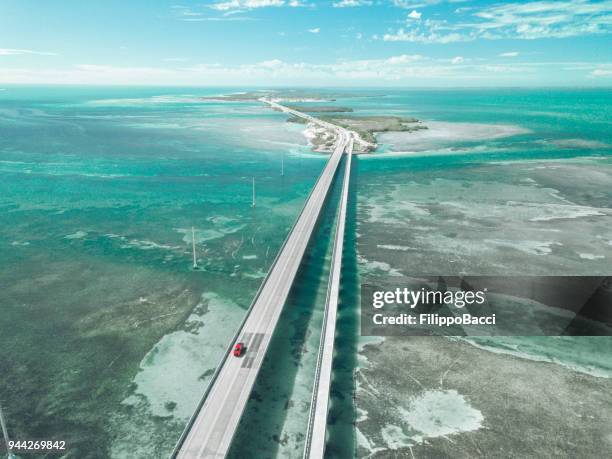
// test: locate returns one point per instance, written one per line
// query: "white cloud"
(315, 30)
(402, 70)
(408, 4)
(219, 19)
(185, 14)
(510, 54)
(457, 60)
(423, 36)
(404, 59)
(603, 72)
(18, 52)
(519, 20)
(253, 4)
(351, 3)
(546, 19)
(414, 14)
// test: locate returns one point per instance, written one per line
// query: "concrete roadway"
(212, 428)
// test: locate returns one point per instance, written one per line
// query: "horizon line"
(293, 86)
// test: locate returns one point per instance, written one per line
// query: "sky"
(352, 43)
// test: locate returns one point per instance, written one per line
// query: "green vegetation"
(368, 126)
(320, 109)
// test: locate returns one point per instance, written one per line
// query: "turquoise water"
(502, 182)
(508, 182)
(108, 337)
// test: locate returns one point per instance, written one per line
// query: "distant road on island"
(330, 126)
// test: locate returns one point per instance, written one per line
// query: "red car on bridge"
(239, 349)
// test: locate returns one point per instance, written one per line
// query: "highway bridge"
(211, 429)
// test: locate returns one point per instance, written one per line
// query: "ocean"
(108, 337)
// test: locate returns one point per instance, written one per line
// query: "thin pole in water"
(253, 192)
(5, 434)
(195, 260)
